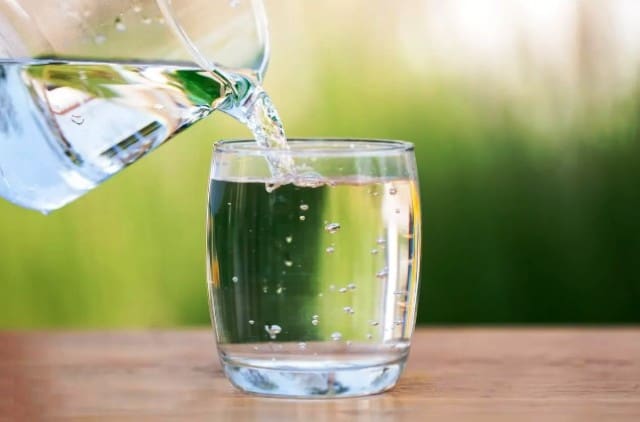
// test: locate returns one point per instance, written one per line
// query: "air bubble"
(320, 295)
(288, 262)
(374, 323)
(349, 310)
(314, 320)
(302, 218)
(160, 21)
(400, 292)
(99, 39)
(382, 274)
(279, 290)
(343, 290)
(351, 286)
(374, 252)
(348, 343)
(302, 345)
(397, 210)
(288, 239)
(393, 190)
(228, 204)
(330, 249)
(332, 287)
(234, 279)
(146, 20)
(120, 26)
(336, 336)
(332, 228)
(273, 330)
(381, 241)
(265, 289)
(158, 106)
(398, 322)
(304, 207)
(369, 336)
(251, 322)
(137, 8)
(77, 119)
(234, 3)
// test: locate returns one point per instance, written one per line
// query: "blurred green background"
(526, 120)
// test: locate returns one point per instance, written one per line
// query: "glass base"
(329, 382)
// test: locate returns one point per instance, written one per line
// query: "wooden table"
(474, 374)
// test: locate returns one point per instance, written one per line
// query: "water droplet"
(374, 323)
(99, 39)
(369, 336)
(288, 262)
(146, 20)
(302, 218)
(336, 336)
(330, 249)
(279, 290)
(349, 310)
(234, 279)
(120, 26)
(137, 8)
(314, 320)
(381, 241)
(320, 295)
(228, 204)
(315, 317)
(304, 207)
(343, 290)
(288, 239)
(77, 119)
(382, 274)
(302, 345)
(270, 187)
(158, 106)
(265, 289)
(251, 322)
(273, 330)
(332, 287)
(374, 252)
(351, 286)
(332, 228)
(393, 190)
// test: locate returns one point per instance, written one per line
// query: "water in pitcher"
(66, 126)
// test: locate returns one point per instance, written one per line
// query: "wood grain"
(477, 374)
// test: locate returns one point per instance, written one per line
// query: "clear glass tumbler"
(313, 278)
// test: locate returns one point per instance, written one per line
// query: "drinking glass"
(313, 276)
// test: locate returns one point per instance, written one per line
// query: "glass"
(209, 33)
(313, 278)
(87, 88)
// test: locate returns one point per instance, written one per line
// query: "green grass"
(521, 224)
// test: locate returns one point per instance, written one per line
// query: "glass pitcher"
(88, 87)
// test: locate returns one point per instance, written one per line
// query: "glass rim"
(317, 147)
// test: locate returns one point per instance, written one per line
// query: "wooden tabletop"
(479, 374)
